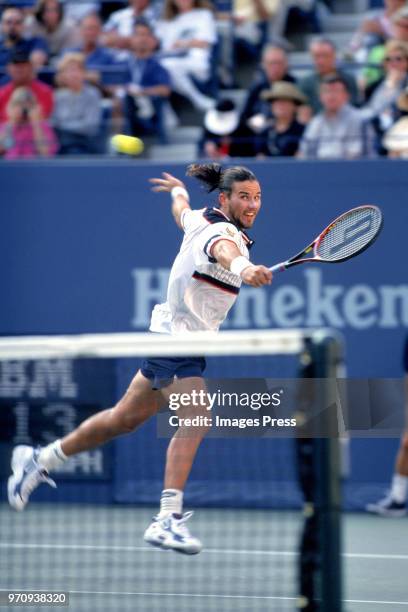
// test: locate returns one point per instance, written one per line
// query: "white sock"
(52, 456)
(171, 502)
(399, 488)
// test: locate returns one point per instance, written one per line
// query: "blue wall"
(87, 248)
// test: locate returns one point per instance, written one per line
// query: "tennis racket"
(347, 236)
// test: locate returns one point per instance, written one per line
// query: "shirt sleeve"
(45, 97)
(205, 27)
(191, 219)
(213, 234)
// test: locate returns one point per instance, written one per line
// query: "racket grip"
(280, 267)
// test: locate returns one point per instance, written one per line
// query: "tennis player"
(204, 283)
(394, 503)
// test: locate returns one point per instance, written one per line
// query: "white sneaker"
(171, 532)
(27, 475)
(388, 507)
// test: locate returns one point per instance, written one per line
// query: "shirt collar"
(214, 215)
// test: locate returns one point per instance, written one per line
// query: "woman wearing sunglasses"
(383, 94)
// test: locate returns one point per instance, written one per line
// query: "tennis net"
(266, 499)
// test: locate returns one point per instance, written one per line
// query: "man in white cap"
(224, 135)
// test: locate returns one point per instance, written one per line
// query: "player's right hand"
(256, 276)
(166, 183)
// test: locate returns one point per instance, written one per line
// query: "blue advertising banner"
(88, 248)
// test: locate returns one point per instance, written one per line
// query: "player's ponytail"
(213, 176)
(208, 174)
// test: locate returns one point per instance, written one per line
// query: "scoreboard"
(43, 400)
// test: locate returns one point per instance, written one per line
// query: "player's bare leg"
(138, 404)
(31, 466)
(185, 442)
(401, 463)
(394, 504)
(168, 529)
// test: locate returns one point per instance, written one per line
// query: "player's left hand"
(256, 276)
(167, 183)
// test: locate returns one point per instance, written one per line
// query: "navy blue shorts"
(162, 370)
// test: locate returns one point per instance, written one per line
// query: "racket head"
(349, 234)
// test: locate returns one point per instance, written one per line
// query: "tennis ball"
(130, 145)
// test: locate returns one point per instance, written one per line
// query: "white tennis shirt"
(200, 291)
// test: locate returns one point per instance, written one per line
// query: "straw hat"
(223, 119)
(283, 90)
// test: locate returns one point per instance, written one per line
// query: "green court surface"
(249, 561)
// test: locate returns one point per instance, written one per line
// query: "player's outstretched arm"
(178, 192)
(228, 255)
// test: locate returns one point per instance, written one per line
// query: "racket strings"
(350, 234)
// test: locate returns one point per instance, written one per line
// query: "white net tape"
(251, 342)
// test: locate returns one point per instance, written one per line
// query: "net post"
(327, 356)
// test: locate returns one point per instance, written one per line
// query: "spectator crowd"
(73, 74)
